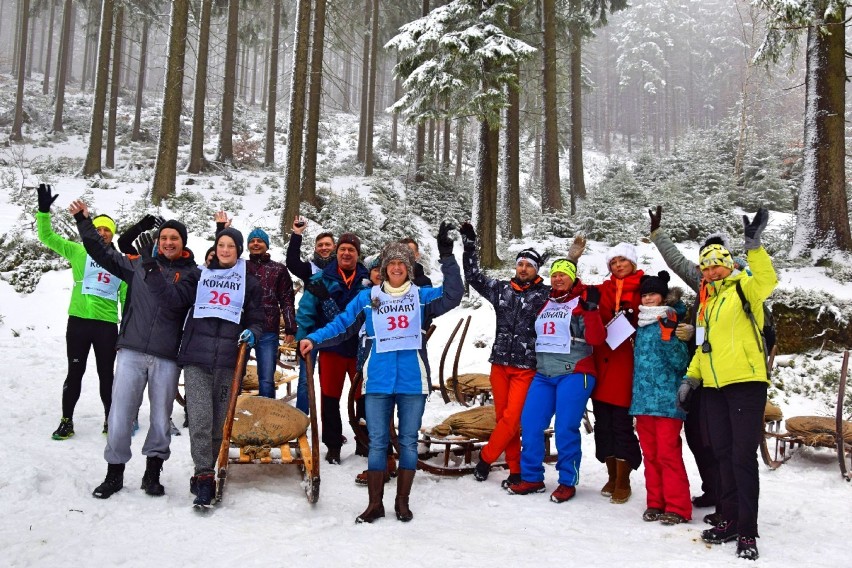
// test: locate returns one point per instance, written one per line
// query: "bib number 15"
(400, 322)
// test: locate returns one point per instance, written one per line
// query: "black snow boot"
(151, 479)
(114, 481)
(747, 548)
(206, 487)
(483, 468)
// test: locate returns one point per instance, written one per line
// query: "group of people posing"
(630, 344)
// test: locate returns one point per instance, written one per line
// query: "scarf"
(652, 314)
(396, 292)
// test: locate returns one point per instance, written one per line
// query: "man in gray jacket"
(147, 345)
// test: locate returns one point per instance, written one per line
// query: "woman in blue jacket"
(396, 371)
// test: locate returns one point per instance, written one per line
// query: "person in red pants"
(517, 303)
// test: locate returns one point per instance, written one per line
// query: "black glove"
(468, 236)
(754, 228)
(592, 299)
(149, 222)
(655, 219)
(445, 242)
(45, 198)
(145, 247)
(318, 289)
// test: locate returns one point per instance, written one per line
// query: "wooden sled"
(835, 434)
(465, 388)
(300, 452)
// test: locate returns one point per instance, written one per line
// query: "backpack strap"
(758, 333)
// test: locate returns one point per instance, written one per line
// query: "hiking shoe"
(333, 456)
(713, 519)
(652, 514)
(526, 488)
(206, 487)
(725, 531)
(513, 479)
(481, 471)
(563, 493)
(151, 479)
(193, 485)
(747, 548)
(65, 430)
(671, 518)
(703, 501)
(113, 483)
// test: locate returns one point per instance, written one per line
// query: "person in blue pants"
(567, 328)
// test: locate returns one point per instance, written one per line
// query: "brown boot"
(622, 482)
(376, 489)
(404, 479)
(607, 489)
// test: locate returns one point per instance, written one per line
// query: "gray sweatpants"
(133, 370)
(207, 396)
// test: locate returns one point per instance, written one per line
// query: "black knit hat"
(532, 256)
(658, 284)
(177, 226)
(235, 235)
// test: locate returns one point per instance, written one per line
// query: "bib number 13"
(549, 328)
(400, 322)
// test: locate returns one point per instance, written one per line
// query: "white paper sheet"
(617, 330)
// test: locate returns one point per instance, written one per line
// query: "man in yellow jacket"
(730, 362)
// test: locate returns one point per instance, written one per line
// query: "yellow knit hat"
(564, 266)
(104, 221)
(715, 255)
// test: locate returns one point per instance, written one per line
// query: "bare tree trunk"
(45, 85)
(226, 132)
(365, 87)
(397, 93)
(96, 133)
(269, 157)
(309, 174)
(459, 148)
(87, 42)
(371, 97)
(512, 159)
(140, 82)
(63, 61)
(347, 82)
(575, 163)
(485, 205)
(266, 50)
(31, 45)
(24, 8)
(115, 85)
(445, 157)
(17, 43)
(165, 170)
(551, 195)
(197, 161)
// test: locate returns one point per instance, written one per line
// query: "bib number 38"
(395, 322)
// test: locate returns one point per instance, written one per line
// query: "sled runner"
(302, 452)
(817, 432)
(465, 388)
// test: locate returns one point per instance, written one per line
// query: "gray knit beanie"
(397, 251)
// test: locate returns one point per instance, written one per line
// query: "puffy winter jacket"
(146, 326)
(310, 315)
(735, 354)
(659, 363)
(615, 367)
(209, 342)
(86, 306)
(277, 289)
(516, 309)
(399, 372)
(587, 330)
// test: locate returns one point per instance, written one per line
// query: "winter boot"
(193, 485)
(483, 468)
(562, 493)
(703, 501)
(652, 514)
(65, 430)
(206, 487)
(609, 487)
(672, 518)
(621, 493)
(333, 456)
(376, 488)
(151, 479)
(114, 481)
(725, 531)
(404, 479)
(713, 519)
(526, 488)
(513, 479)
(747, 548)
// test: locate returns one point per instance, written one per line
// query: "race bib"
(99, 282)
(396, 320)
(553, 327)
(221, 293)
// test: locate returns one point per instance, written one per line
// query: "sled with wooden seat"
(466, 388)
(818, 432)
(302, 452)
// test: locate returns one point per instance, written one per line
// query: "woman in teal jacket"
(396, 371)
(92, 314)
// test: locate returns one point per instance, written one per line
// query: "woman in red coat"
(616, 444)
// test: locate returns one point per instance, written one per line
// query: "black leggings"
(81, 335)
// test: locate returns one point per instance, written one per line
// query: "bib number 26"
(222, 299)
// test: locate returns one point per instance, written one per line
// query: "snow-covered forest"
(537, 121)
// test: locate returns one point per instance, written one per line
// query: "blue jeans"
(379, 410)
(302, 402)
(566, 397)
(266, 352)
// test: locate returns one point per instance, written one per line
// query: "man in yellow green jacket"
(92, 314)
(730, 362)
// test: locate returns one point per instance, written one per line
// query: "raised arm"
(146, 223)
(300, 268)
(487, 287)
(106, 256)
(686, 270)
(450, 293)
